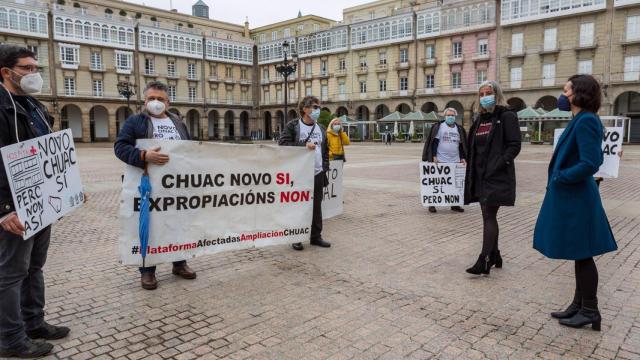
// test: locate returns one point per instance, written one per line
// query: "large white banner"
(214, 197)
(611, 147)
(333, 200)
(44, 177)
(442, 184)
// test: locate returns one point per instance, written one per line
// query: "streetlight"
(285, 69)
(127, 90)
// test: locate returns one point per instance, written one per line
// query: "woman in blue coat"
(572, 224)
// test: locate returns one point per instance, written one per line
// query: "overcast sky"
(260, 12)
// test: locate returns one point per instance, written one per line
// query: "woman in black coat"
(494, 143)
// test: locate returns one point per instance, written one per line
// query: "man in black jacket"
(447, 143)
(22, 117)
(307, 132)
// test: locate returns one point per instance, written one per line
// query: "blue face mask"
(487, 102)
(450, 120)
(315, 114)
(564, 104)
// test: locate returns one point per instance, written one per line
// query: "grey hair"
(307, 101)
(497, 90)
(155, 85)
(444, 113)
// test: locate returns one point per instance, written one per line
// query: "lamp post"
(287, 68)
(127, 90)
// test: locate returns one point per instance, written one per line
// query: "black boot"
(573, 308)
(482, 266)
(588, 314)
(497, 259)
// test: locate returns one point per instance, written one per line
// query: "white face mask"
(156, 107)
(31, 83)
(336, 128)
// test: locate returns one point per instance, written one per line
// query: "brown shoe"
(148, 281)
(184, 271)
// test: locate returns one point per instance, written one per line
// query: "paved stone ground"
(392, 286)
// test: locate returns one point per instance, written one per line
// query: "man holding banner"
(22, 299)
(447, 143)
(307, 132)
(155, 122)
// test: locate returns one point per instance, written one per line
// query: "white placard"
(442, 184)
(611, 147)
(333, 200)
(214, 197)
(44, 177)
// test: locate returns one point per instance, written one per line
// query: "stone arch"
(403, 108)
(459, 108)
(213, 125)
(280, 120)
(71, 118)
(175, 112)
(229, 126)
(624, 103)
(244, 124)
(122, 114)
(342, 111)
(362, 113)
(547, 102)
(268, 130)
(516, 104)
(98, 124)
(193, 123)
(429, 107)
(381, 111)
(292, 115)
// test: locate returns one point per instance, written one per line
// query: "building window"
(265, 74)
(149, 66)
(633, 28)
(274, 35)
(308, 69)
(214, 95)
(363, 87)
(172, 92)
(550, 41)
(324, 92)
(243, 74)
(481, 76)
(263, 38)
(548, 74)
(516, 43)
(323, 68)
(382, 58)
(69, 86)
(483, 46)
(363, 61)
(279, 96)
(171, 69)
(286, 33)
(382, 84)
(228, 72)
(33, 49)
(96, 61)
(457, 50)
(404, 55)
(516, 77)
(456, 80)
(430, 51)
(191, 71)
(124, 61)
(97, 88)
(192, 94)
(632, 68)
(342, 89)
(586, 34)
(316, 27)
(342, 64)
(69, 56)
(308, 90)
(429, 81)
(585, 67)
(404, 83)
(267, 97)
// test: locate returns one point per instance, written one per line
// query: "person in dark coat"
(572, 224)
(155, 122)
(494, 142)
(447, 143)
(307, 132)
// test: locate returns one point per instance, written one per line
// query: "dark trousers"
(586, 279)
(152, 269)
(318, 194)
(21, 285)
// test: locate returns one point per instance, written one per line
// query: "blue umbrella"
(143, 226)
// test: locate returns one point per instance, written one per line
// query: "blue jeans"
(152, 269)
(21, 285)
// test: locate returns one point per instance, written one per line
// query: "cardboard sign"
(611, 147)
(442, 184)
(333, 200)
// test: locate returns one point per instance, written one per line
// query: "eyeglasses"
(30, 68)
(315, 107)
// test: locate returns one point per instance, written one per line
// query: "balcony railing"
(402, 65)
(340, 72)
(629, 39)
(482, 56)
(362, 69)
(174, 75)
(245, 81)
(427, 91)
(456, 59)
(323, 74)
(429, 62)
(150, 74)
(214, 78)
(515, 53)
(229, 80)
(265, 81)
(382, 67)
(400, 93)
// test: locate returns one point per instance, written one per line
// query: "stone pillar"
(113, 132)
(221, 128)
(204, 127)
(86, 126)
(236, 128)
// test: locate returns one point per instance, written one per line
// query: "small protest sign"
(442, 184)
(611, 147)
(332, 202)
(44, 177)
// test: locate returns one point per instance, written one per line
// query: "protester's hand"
(311, 146)
(154, 156)
(13, 225)
(464, 162)
(620, 153)
(435, 159)
(85, 196)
